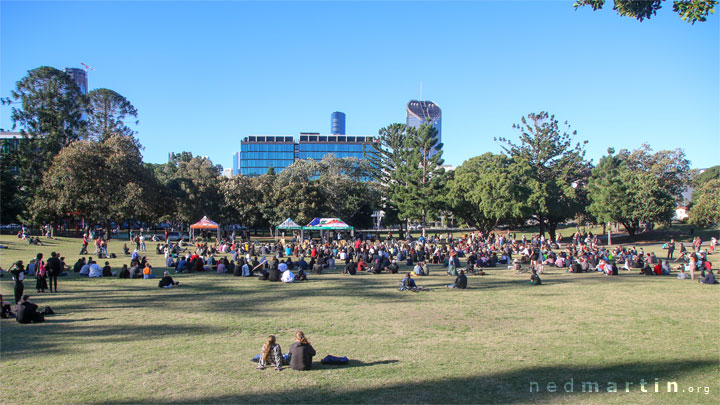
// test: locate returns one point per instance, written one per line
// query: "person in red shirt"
(658, 269)
(361, 266)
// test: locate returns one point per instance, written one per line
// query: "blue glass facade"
(337, 123)
(236, 164)
(258, 153)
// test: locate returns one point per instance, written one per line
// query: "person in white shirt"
(95, 270)
(287, 276)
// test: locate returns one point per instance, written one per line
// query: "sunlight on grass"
(128, 341)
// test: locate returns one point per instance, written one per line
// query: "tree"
(706, 175)
(51, 117)
(556, 173)
(345, 187)
(632, 188)
(705, 208)
(193, 184)
(108, 111)
(385, 156)
(689, 10)
(102, 180)
(487, 190)
(418, 186)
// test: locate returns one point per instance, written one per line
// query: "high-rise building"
(337, 123)
(79, 76)
(421, 112)
(236, 164)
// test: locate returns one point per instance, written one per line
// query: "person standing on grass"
(301, 353)
(671, 248)
(18, 275)
(54, 268)
(270, 354)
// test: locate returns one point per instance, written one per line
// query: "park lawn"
(126, 341)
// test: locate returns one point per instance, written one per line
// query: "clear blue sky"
(205, 75)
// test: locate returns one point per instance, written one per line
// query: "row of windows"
(264, 147)
(330, 147)
(267, 155)
(253, 171)
(320, 155)
(265, 163)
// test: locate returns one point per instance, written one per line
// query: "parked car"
(176, 236)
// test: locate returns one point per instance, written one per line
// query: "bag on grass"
(334, 361)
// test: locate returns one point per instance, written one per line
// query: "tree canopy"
(690, 11)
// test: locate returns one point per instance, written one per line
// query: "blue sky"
(205, 75)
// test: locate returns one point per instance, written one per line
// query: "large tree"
(194, 186)
(418, 187)
(637, 187)
(103, 181)
(689, 10)
(557, 171)
(50, 118)
(705, 206)
(385, 156)
(347, 189)
(487, 190)
(108, 112)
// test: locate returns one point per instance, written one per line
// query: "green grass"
(126, 341)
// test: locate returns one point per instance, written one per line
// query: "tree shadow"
(571, 383)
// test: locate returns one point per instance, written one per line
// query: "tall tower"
(421, 112)
(337, 123)
(79, 76)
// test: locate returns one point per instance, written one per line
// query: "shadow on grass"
(512, 386)
(50, 337)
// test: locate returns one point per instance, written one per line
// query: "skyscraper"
(337, 123)
(421, 112)
(79, 76)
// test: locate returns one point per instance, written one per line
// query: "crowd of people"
(273, 261)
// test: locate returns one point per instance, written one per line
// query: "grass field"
(126, 341)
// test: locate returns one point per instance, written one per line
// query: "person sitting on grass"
(709, 278)
(270, 355)
(460, 281)
(107, 270)
(5, 309)
(534, 278)
(124, 272)
(350, 267)
(147, 271)
(301, 276)
(167, 281)
(287, 276)
(27, 312)
(95, 270)
(408, 283)
(301, 353)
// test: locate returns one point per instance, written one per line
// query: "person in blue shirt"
(408, 283)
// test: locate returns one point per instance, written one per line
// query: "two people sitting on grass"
(27, 311)
(301, 354)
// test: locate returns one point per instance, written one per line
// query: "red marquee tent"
(205, 223)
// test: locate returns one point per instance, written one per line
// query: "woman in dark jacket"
(301, 353)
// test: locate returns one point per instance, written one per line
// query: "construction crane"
(86, 67)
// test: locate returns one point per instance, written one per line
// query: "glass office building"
(420, 112)
(236, 164)
(259, 153)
